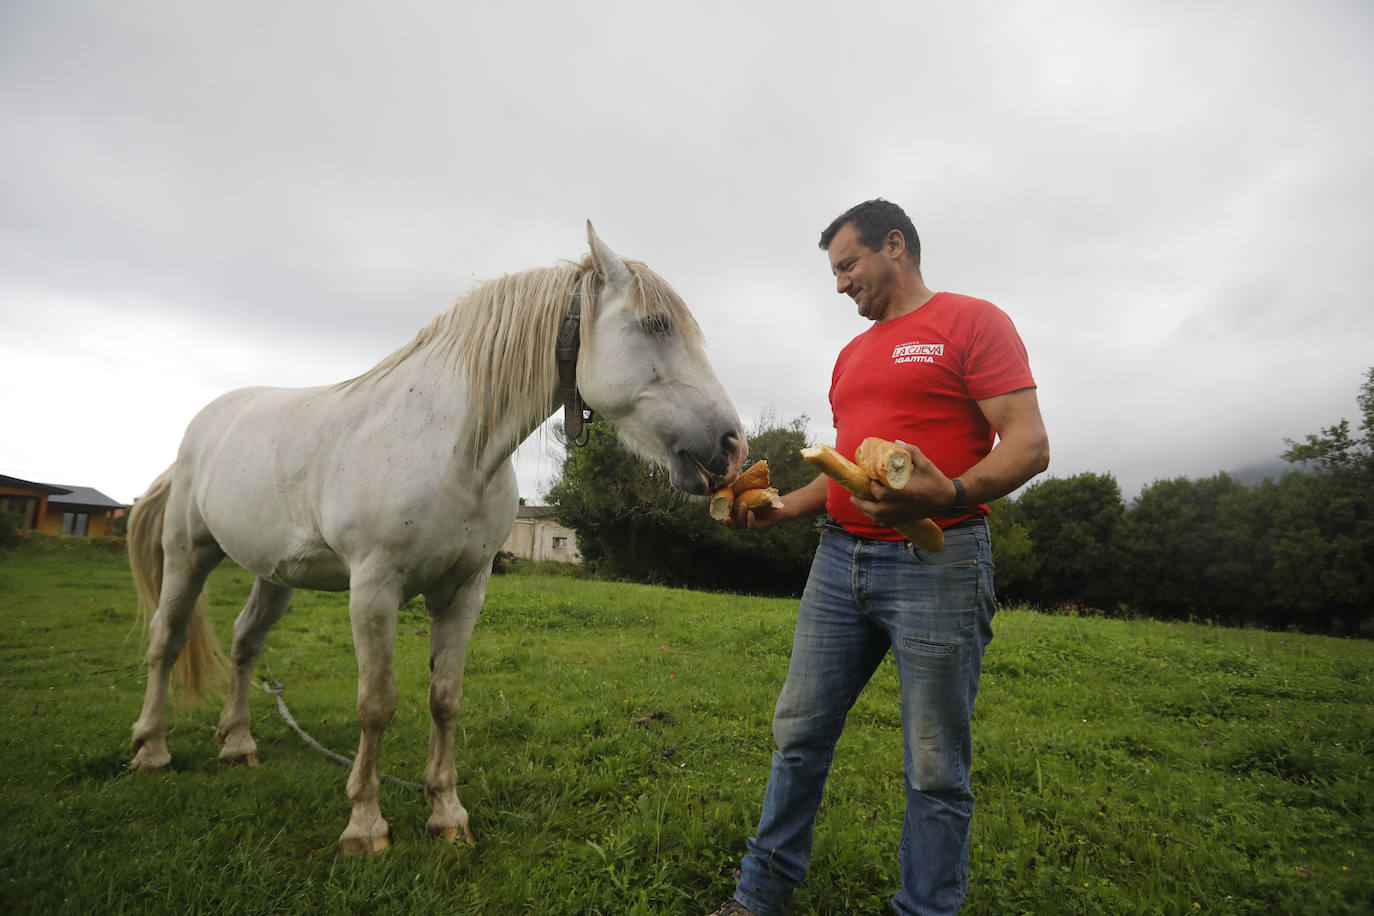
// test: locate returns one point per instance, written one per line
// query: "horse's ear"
(607, 261)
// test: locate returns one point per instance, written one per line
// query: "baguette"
(721, 503)
(883, 461)
(754, 480)
(922, 532)
(838, 467)
(760, 496)
(754, 477)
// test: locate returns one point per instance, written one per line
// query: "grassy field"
(613, 747)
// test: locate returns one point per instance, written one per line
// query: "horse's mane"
(502, 336)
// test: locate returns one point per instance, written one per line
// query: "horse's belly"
(314, 567)
(322, 573)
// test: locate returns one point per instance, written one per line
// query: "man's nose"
(841, 283)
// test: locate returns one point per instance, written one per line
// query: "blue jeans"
(934, 612)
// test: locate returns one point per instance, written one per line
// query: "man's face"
(861, 273)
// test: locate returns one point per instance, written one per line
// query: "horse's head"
(643, 367)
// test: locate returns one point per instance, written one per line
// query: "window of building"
(75, 523)
(560, 542)
(24, 507)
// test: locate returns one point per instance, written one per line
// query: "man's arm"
(1021, 452)
(801, 503)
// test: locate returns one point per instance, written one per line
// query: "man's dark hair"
(873, 220)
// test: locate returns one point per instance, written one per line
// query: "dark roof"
(20, 484)
(60, 495)
(87, 497)
(537, 512)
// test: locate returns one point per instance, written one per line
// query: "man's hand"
(756, 519)
(927, 494)
(1021, 452)
(802, 503)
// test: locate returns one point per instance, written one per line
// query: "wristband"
(960, 506)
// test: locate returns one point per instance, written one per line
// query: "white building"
(538, 535)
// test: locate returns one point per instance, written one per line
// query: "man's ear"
(895, 243)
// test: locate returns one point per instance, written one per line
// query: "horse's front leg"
(453, 613)
(372, 608)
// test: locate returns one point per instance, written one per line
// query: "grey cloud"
(1171, 202)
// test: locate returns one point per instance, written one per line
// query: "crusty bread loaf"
(922, 532)
(883, 461)
(838, 467)
(721, 502)
(754, 477)
(753, 483)
(758, 497)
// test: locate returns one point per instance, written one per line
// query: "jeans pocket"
(928, 647)
(956, 552)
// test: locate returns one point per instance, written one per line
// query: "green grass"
(613, 748)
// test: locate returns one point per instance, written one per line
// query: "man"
(948, 377)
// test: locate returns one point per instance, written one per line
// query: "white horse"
(399, 483)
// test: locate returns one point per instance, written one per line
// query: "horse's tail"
(201, 661)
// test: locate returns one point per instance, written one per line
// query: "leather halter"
(576, 413)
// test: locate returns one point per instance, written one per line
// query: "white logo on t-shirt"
(916, 352)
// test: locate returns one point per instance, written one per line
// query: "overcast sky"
(1171, 199)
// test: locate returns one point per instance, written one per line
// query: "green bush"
(9, 530)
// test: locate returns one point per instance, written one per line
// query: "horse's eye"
(656, 324)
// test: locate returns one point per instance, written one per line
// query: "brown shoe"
(731, 907)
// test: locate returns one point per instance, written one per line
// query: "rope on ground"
(276, 689)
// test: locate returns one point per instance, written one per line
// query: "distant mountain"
(1273, 469)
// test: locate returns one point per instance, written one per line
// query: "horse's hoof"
(450, 834)
(243, 760)
(148, 760)
(366, 846)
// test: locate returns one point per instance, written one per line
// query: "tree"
(1072, 522)
(1186, 548)
(1335, 448)
(1013, 551)
(1319, 558)
(610, 499)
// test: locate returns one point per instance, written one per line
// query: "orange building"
(58, 509)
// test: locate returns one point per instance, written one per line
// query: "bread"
(838, 467)
(758, 497)
(754, 477)
(922, 532)
(883, 461)
(721, 502)
(751, 483)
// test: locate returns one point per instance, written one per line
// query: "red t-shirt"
(918, 378)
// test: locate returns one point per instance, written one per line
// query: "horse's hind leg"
(453, 613)
(265, 606)
(184, 573)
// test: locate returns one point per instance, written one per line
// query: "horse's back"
(247, 470)
(299, 486)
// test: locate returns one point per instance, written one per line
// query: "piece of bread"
(761, 496)
(883, 461)
(754, 477)
(838, 467)
(721, 503)
(922, 532)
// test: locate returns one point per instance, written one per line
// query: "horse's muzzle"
(719, 468)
